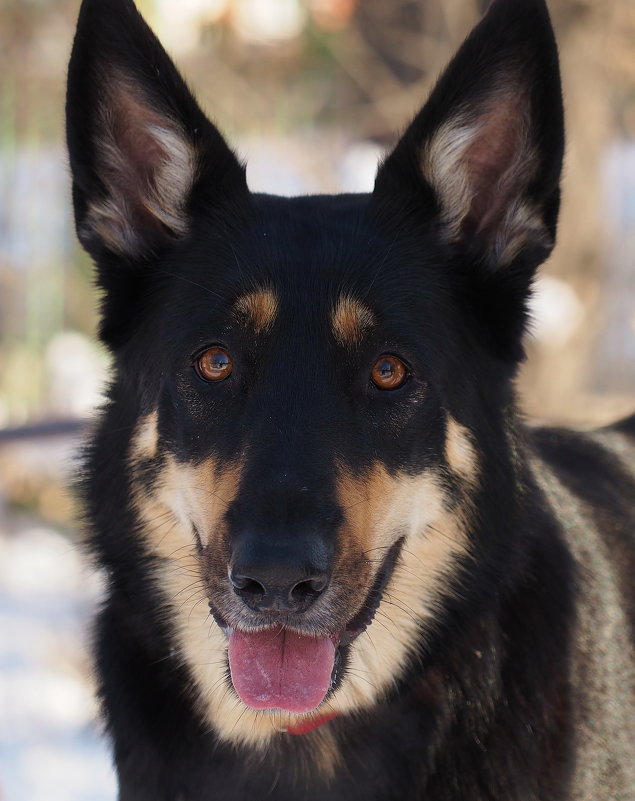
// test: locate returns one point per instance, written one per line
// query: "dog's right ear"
(142, 153)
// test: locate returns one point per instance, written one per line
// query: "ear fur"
(484, 155)
(138, 142)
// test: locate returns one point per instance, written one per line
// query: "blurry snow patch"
(50, 746)
(556, 311)
(268, 21)
(358, 166)
(43, 701)
(58, 774)
(41, 561)
(76, 370)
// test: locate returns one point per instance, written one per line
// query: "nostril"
(319, 583)
(308, 589)
(247, 587)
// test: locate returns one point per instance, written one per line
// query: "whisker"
(381, 266)
(355, 673)
(189, 586)
(202, 598)
(189, 599)
(404, 608)
(443, 534)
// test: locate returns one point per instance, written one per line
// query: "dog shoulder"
(588, 480)
(597, 467)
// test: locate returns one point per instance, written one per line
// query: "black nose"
(279, 579)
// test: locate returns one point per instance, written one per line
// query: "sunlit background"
(310, 92)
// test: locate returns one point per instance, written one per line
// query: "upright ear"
(140, 147)
(484, 155)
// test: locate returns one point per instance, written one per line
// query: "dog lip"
(219, 620)
(360, 622)
(227, 629)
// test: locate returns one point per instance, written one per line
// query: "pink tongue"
(279, 669)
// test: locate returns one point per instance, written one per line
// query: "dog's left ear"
(483, 157)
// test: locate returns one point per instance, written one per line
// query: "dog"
(340, 566)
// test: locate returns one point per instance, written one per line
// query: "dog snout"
(287, 578)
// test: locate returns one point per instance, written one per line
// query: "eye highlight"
(215, 364)
(389, 372)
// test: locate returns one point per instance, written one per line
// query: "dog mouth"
(281, 668)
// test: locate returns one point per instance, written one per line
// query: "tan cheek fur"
(388, 507)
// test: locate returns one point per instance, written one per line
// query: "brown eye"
(389, 372)
(214, 365)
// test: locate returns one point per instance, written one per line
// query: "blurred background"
(311, 92)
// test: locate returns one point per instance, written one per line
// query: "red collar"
(310, 724)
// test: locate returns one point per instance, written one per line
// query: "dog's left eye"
(389, 372)
(214, 365)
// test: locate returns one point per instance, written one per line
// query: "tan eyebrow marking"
(351, 320)
(258, 308)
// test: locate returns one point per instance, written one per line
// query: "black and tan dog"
(311, 433)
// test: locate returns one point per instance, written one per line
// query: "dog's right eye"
(215, 364)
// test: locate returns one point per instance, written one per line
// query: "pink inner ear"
(136, 155)
(497, 162)
(147, 166)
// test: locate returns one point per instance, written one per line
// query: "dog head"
(318, 390)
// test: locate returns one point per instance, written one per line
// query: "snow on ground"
(51, 748)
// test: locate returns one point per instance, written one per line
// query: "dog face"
(314, 385)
